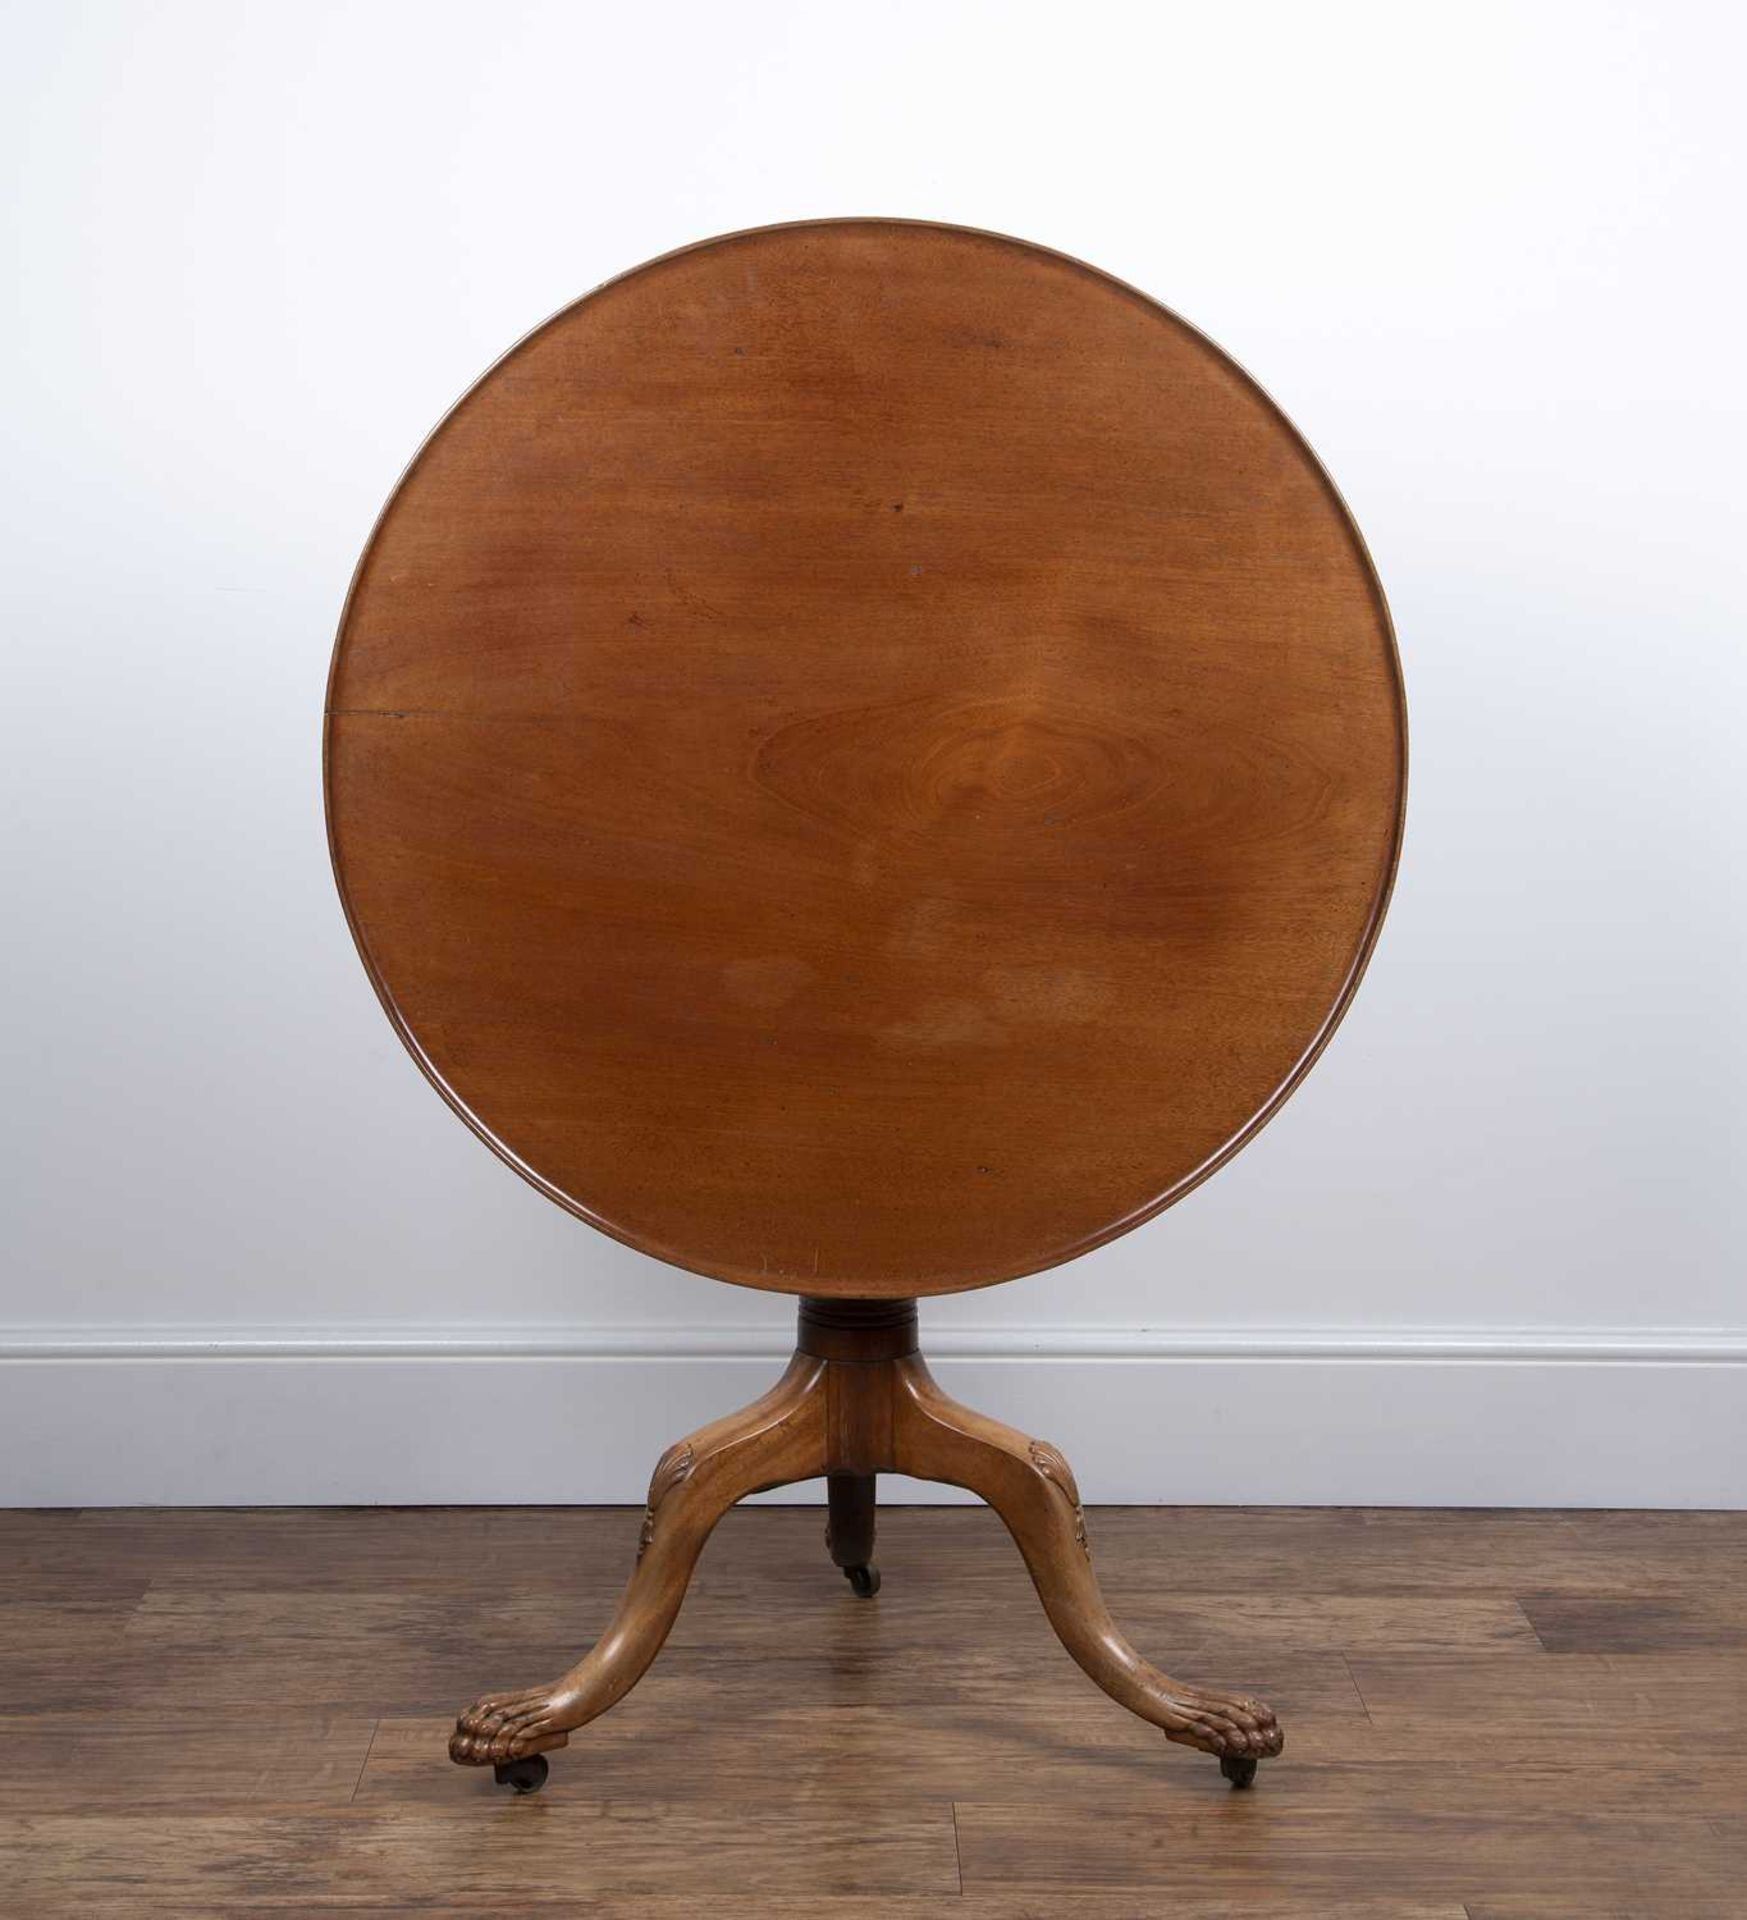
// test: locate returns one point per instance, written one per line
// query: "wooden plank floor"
(1490, 1716)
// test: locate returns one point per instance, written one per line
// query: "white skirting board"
(1330, 1417)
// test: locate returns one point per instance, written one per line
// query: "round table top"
(865, 758)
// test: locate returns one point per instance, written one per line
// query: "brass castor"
(526, 1776)
(1239, 1769)
(865, 1581)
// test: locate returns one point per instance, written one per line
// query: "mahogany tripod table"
(864, 759)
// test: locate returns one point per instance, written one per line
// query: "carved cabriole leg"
(778, 1439)
(1030, 1486)
(856, 1401)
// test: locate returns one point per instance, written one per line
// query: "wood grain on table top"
(865, 757)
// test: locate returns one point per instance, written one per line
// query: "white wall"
(1489, 258)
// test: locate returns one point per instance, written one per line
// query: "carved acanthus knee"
(670, 1470)
(1055, 1469)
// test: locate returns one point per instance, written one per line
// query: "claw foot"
(514, 1726)
(1230, 1726)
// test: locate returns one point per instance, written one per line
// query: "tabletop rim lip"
(1364, 948)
